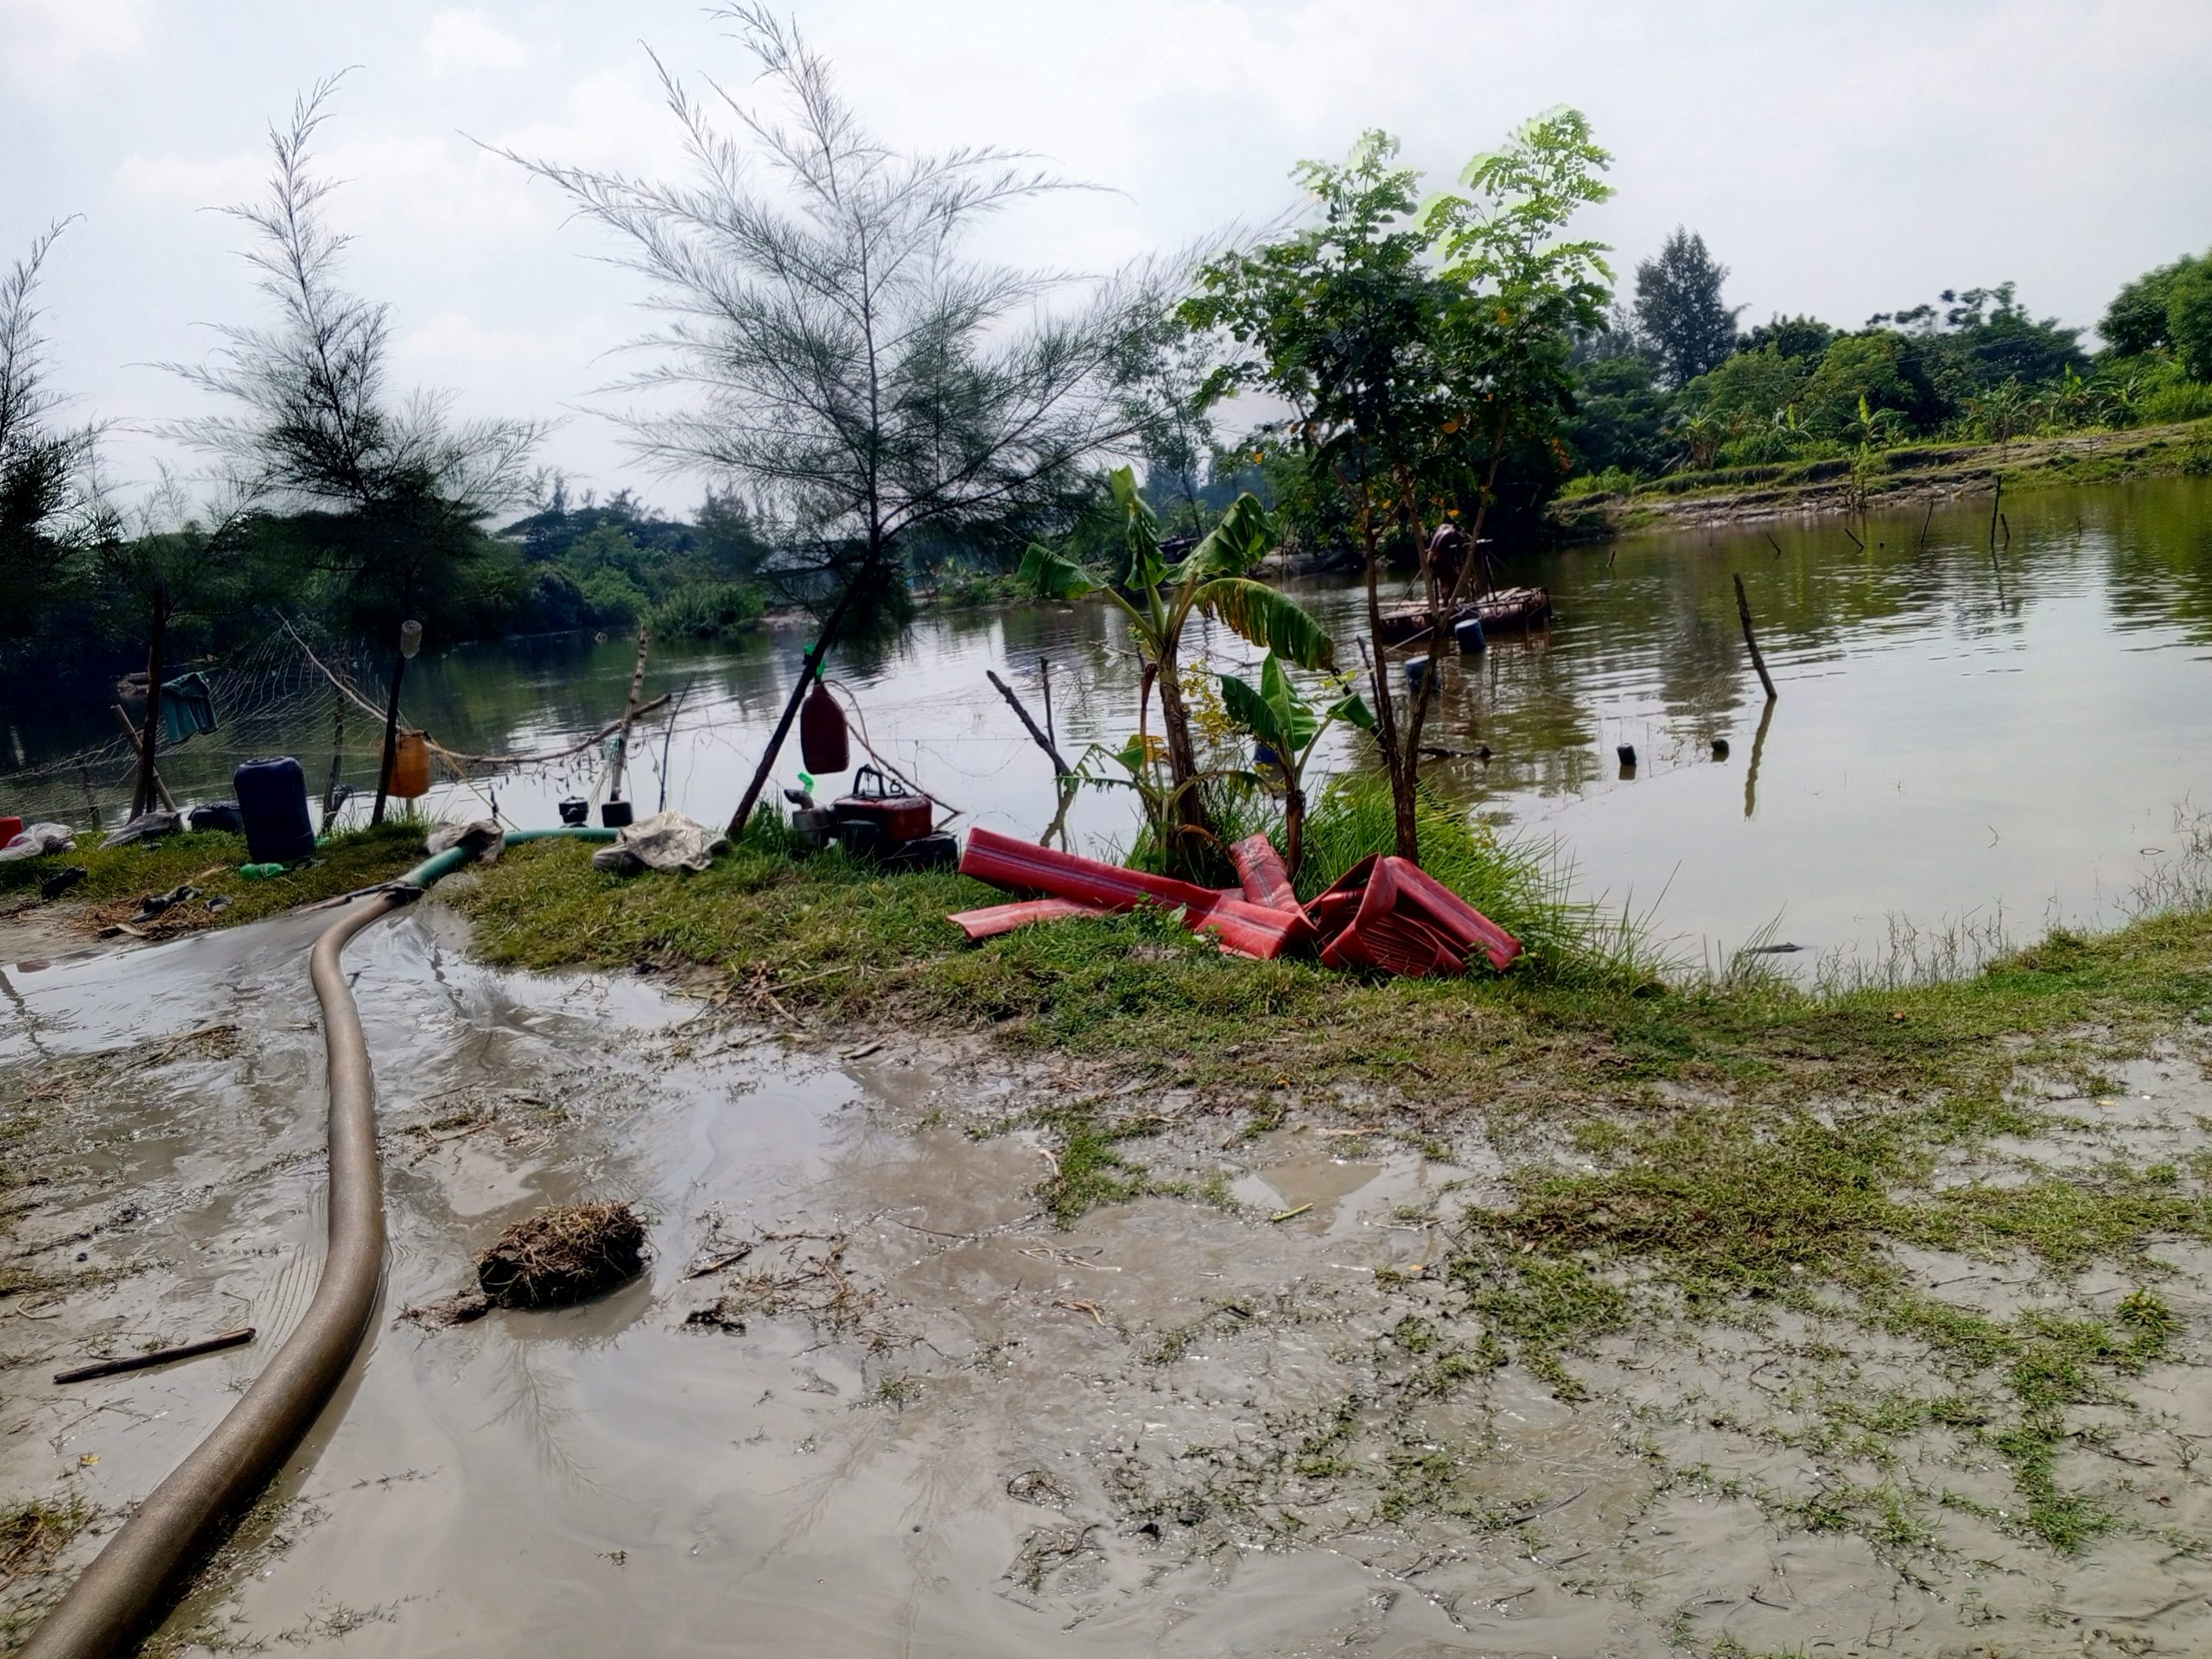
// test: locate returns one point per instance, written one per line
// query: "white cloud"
(43, 40)
(187, 182)
(459, 41)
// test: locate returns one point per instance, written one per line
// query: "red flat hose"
(116, 1601)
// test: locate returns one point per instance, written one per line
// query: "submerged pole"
(1060, 768)
(1751, 639)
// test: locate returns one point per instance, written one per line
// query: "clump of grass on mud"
(563, 1254)
(117, 877)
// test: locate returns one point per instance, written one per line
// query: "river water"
(1964, 739)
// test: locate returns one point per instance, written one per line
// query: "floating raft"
(1509, 610)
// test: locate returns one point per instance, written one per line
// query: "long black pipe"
(115, 1602)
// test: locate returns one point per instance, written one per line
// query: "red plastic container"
(9, 829)
(822, 738)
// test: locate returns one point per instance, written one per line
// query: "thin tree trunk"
(149, 736)
(1407, 837)
(807, 671)
(390, 740)
(1182, 757)
(1294, 828)
(337, 760)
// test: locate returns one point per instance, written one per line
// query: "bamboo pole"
(629, 714)
(337, 757)
(1751, 639)
(137, 743)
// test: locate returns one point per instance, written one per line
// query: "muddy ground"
(870, 1399)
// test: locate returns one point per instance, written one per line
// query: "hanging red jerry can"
(821, 739)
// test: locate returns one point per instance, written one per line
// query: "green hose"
(116, 1599)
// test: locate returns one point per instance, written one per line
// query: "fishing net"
(267, 698)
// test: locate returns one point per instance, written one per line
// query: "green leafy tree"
(2188, 318)
(1417, 350)
(1858, 369)
(2136, 323)
(1159, 598)
(1620, 416)
(1274, 713)
(1679, 309)
(1752, 384)
(1793, 337)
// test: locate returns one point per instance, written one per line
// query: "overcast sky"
(1842, 158)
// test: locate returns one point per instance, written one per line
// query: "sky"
(1841, 160)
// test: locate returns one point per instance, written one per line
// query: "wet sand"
(900, 1413)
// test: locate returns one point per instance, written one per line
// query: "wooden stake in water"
(337, 760)
(1045, 673)
(1751, 639)
(138, 743)
(1060, 768)
(629, 714)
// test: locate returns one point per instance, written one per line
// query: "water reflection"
(1959, 730)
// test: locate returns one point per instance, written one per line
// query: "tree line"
(1667, 384)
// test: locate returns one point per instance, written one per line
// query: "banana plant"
(1292, 728)
(1158, 598)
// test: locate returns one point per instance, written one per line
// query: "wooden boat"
(1509, 610)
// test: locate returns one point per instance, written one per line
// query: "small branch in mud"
(213, 1345)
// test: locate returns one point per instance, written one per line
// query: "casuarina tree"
(388, 490)
(49, 514)
(833, 347)
(1678, 306)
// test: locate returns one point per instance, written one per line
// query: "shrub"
(709, 611)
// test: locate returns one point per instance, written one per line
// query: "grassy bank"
(118, 878)
(834, 942)
(1905, 473)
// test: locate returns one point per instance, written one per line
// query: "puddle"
(915, 1418)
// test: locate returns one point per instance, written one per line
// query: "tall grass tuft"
(709, 611)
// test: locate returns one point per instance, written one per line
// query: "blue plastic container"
(1416, 671)
(273, 801)
(1468, 631)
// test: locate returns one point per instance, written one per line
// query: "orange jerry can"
(410, 766)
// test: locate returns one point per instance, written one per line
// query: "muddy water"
(911, 1418)
(1962, 734)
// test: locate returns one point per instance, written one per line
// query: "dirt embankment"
(1834, 487)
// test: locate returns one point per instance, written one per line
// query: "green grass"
(209, 860)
